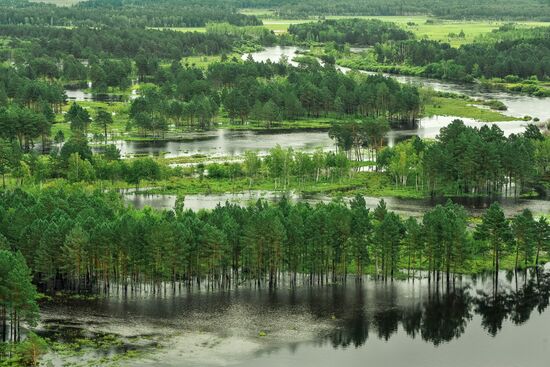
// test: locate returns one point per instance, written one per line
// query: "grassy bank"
(441, 106)
(365, 183)
(532, 87)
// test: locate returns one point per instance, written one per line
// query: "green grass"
(120, 117)
(366, 183)
(375, 184)
(204, 61)
(311, 123)
(531, 87)
(463, 108)
(435, 29)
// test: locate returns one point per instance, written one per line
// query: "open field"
(421, 25)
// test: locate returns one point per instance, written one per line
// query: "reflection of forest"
(444, 314)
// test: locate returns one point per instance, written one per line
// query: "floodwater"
(79, 95)
(221, 142)
(405, 207)
(519, 105)
(474, 322)
(229, 143)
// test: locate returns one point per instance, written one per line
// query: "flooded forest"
(274, 182)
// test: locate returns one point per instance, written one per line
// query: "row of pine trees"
(82, 241)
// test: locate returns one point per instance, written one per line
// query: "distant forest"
(196, 13)
(452, 9)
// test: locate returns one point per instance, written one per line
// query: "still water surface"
(473, 323)
(223, 142)
(406, 207)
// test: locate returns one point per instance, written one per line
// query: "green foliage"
(22, 124)
(104, 119)
(17, 295)
(478, 160)
(10, 156)
(79, 169)
(30, 350)
(127, 14)
(360, 32)
(453, 9)
(89, 238)
(495, 230)
(78, 117)
(268, 92)
(523, 56)
(76, 144)
(142, 169)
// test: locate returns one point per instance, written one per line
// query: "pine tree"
(495, 229)
(524, 231)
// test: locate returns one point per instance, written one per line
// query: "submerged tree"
(495, 229)
(104, 119)
(17, 295)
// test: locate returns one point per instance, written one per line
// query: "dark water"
(474, 322)
(406, 207)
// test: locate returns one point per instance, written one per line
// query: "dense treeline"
(358, 32)
(194, 13)
(470, 161)
(107, 58)
(75, 240)
(18, 310)
(17, 294)
(269, 92)
(124, 14)
(453, 9)
(24, 88)
(116, 42)
(27, 108)
(505, 53)
(508, 52)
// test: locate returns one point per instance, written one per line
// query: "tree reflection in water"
(445, 313)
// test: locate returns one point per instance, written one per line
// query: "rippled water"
(472, 322)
